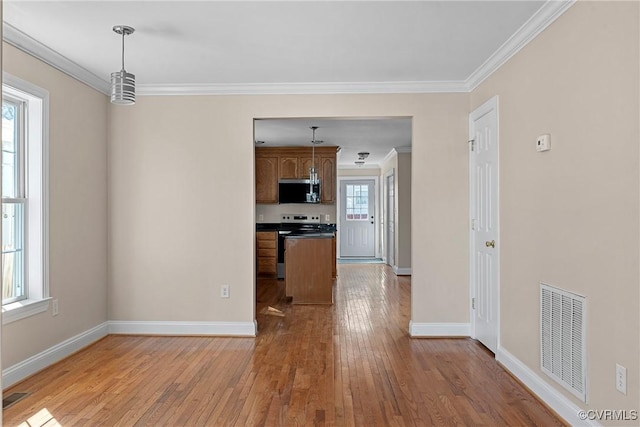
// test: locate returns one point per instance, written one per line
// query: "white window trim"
(38, 127)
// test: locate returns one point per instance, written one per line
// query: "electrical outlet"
(224, 291)
(543, 142)
(327, 218)
(621, 379)
(54, 307)
(261, 217)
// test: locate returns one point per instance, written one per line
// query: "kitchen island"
(308, 265)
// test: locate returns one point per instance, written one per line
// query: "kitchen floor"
(350, 363)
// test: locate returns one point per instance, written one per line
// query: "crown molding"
(26, 43)
(303, 88)
(545, 16)
(394, 152)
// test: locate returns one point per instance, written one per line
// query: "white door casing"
(390, 218)
(357, 218)
(484, 240)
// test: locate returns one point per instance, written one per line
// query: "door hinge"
(473, 303)
(473, 224)
(472, 144)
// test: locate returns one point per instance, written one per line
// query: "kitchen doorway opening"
(352, 193)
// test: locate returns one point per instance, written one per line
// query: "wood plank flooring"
(348, 364)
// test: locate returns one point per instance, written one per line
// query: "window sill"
(22, 309)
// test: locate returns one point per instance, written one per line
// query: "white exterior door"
(485, 244)
(357, 226)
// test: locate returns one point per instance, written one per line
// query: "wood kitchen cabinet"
(334, 258)
(266, 179)
(328, 179)
(274, 163)
(308, 270)
(267, 253)
(305, 165)
(289, 168)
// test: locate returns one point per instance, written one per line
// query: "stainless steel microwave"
(298, 191)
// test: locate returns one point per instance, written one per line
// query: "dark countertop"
(310, 236)
(268, 226)
(276, 226)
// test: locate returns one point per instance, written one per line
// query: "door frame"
(485, 108)
(385, 217)
(376, 209)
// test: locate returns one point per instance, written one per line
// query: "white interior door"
(485, 245)
(357, 226)
(391, 220)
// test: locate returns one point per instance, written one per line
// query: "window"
(13, 201)
(25, 285)
(357, 202)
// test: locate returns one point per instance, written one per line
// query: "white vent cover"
(563, 347)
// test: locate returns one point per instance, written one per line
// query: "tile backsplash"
(272, 213)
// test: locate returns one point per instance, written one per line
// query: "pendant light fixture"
(123, 84)
(313, 175)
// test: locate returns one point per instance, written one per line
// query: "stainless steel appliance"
(298, 191)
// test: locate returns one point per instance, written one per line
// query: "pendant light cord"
(123, 33)
(313, 151)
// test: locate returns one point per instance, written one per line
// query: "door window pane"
(357, 199)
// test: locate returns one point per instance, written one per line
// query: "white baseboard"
(562, 405)
(241, 329)
(54, 354)
(402, 271)
(418, 330)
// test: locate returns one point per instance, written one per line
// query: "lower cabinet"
(267, 253)
(308, 270)
(334, 260)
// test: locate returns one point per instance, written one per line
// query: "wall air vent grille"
(563, 338)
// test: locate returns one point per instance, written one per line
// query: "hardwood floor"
(351, 363)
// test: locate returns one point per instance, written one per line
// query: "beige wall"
(358, 172)
(77, 211)
(403, 200)
(569, 217)
(181, 201)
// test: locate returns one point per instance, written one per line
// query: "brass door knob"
(490, 244)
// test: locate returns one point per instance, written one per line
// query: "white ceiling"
(285, 47)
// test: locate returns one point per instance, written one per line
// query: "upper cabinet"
(289, 167)
(327, 170)
(274, 163)
(266, 179)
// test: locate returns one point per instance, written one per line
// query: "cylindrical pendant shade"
(123, 88)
